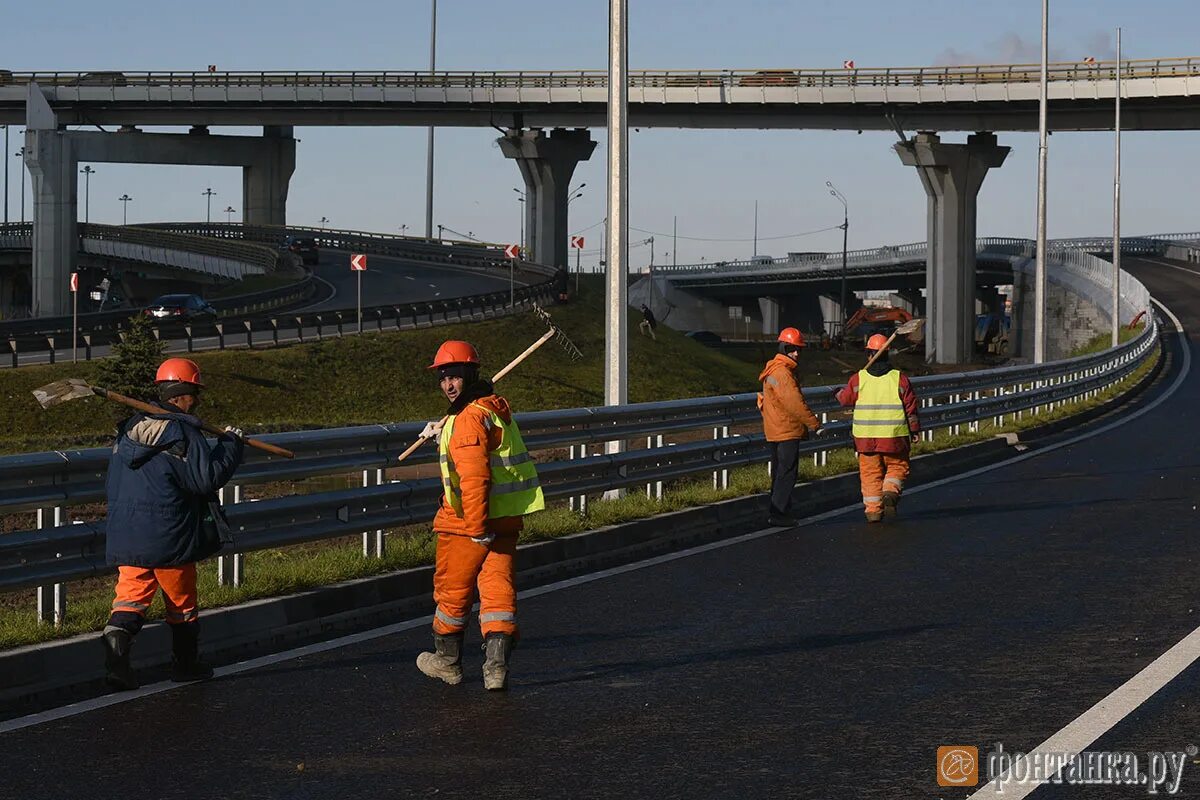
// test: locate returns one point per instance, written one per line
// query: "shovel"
(908, 328)
(53, 394)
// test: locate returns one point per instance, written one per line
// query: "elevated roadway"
(827, 660)
(1159, 94)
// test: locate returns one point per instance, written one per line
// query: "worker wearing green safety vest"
(885, 420)
(489, 483)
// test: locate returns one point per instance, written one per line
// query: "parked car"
(704, 337)
(305, 249)
(181, 307)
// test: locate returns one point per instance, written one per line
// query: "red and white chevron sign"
(74, 281)
(577, 242)
(848, 64)
(512, 251)
(358, 262)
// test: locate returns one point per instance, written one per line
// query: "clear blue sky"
(373, 178)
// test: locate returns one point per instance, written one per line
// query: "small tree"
(131, 368)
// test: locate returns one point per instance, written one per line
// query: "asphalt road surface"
(386, 281)
(826, 661)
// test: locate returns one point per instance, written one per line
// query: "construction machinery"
(869, 320)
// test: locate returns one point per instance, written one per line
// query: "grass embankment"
(276, 572)
(1103, 341)
(381, 377)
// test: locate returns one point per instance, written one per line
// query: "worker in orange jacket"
(787, 420)
(885, 420)
(489, 483)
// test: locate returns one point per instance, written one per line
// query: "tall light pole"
(1116, 287)
(403, 228)
(229, 212)
(674, 239)
(756, 227)
(6, 176)
(1039, 280)
(21, 155)
(845, 226)
(324, 222)
(616, 351)
(125, 198)
(522, 200)
(208, 212)
(429, 157)
(87, 173)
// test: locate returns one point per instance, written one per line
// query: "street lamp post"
(6, 176)
(522, 200)
(229, 212)
(1039, 275)
(125, 198)
(1116, 287)
(429, 157)
(208, 212)
(21, 155)
(87, 173)
(324, 222)
(845, 226)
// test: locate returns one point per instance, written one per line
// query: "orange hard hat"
(178, 370)
(791, 336)
(455, 352)
(877, 342)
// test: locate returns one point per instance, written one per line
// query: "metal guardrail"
(576, 79)
(51, 483)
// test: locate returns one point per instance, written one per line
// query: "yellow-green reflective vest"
(879, 412)
(515, 490)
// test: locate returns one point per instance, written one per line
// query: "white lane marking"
(1102, 717)
(333, 294)
(409, 278)
(1161, 263)
(376, 633)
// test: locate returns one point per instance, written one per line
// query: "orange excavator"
(871, 319)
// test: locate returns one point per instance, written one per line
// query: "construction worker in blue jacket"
(163, 517)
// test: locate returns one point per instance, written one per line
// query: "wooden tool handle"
(147, 408)
(880, 351)
(547, 336)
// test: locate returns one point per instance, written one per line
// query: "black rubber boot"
(185, 647)
(445, 662)
(890, 501)
(496, 647)
(118, 643)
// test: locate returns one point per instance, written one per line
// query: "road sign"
(735, 312)
(512, 251)
(848, 64)
(577, 242)
(74, 281)
(358, 262)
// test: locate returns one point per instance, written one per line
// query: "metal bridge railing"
(983, 74)
(60, 550)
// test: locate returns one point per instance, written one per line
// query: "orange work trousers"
(879, 473)
(463, 565)
(136, 587)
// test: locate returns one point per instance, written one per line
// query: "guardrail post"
(824, 452)
(578, 503)
(721, 476)
(320, 327)
(50, 342)
(231, 568)
(52, 598)
(956, 401)
(340, 330)
(187, 331)
(373, 542)
(654, 489)
(974, 426)
(927, 434)
(220, 326)
(12, 345)
(300, 329)
(379, 319)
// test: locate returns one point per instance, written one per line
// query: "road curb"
(35, 676)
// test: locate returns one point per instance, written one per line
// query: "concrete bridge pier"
(952, 175)
(911, 300)
(52, 168)
(265, 179)
(547, 163)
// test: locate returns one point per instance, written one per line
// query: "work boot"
(185, 649)
(496, 647)
(874, 516)
(445, 662)
(890, 501)
(118, 643)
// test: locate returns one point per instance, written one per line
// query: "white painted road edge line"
(1104, 716)
(93, 704)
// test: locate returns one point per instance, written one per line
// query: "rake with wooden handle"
(910, 327)
(556, 333)
(53, 394)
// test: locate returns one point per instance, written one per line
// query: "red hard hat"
(454, 352)
(791, 336)
(877, 342)
(178, 370)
